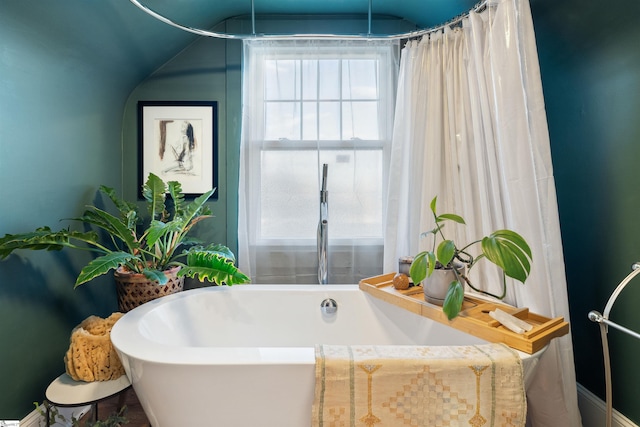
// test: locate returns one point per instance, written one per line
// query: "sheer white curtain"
(307, 103)
(470, 127)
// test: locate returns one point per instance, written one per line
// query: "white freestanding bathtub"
(243, 356)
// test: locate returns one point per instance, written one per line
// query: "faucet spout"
(323, 229)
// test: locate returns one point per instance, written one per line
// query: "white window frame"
(387, 83)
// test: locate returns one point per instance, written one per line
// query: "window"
(307, 103)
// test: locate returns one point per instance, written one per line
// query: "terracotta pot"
(436, 286)
(134, 289)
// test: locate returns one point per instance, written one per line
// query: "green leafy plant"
(148, 247)
(116, 419)
(505, 248)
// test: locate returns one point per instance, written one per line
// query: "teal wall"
(60, 124)
(70, 79)
(65, 75)
(590, 65)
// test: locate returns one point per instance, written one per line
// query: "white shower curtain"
(470, 128)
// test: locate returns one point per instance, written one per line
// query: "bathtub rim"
(131, 343)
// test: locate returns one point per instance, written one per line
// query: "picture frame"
(178, 141)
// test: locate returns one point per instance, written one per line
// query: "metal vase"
(436, 286)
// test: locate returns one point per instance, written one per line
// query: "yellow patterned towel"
(418, 386)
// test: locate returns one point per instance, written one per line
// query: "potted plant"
(505, 248)
(158, 251)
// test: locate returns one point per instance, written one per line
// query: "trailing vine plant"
(504, 248)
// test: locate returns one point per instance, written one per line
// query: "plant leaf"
(509, 251)
(431, 263)
(155, 275)
(154, 191)
(196, 207)
(196, 211)
(418, 269)
(112, 225)
(123, 206)
(432, 205)
(43, 239)
(175, 190)
(213, 267)
(451, 217)
(157, 229)
(453, 301)
(199, 218)
(433, 231)
(445, 252)
(520, 253)
(422, 266)
(217, 248)
(102, 265)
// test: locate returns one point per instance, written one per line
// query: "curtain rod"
(479, 7)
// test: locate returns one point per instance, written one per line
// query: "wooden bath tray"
(474, 317)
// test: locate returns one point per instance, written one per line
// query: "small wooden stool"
(65, 391)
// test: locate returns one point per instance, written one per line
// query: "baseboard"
(33, 419)
(594, 411)
(36, 419)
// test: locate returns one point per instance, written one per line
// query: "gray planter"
(436, 286)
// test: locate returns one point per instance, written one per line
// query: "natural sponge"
(91, 356)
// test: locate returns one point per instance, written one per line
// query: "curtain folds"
(470, 127)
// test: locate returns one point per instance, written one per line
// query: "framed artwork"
(178, 141)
